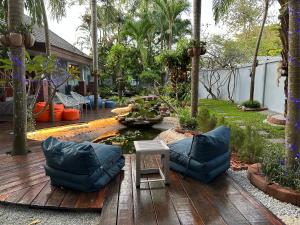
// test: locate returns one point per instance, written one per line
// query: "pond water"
(127, 136)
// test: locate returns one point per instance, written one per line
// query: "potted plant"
(197, 48)
(4, 35)
(28, 37)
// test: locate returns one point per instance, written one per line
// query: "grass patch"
(233, 115)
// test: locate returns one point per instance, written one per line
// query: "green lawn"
(232, 114)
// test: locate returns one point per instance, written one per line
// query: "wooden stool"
(154, 147)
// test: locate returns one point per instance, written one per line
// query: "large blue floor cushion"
(81, 166)
(202, 157)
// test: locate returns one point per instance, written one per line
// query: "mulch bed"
(236, 164)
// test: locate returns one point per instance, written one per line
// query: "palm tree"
(139, 31)
(93, 8)
(15, 18)
(172, 9)
(292, 136)
(196, 57)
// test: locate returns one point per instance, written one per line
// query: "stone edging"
(276, 119)
(272, 189)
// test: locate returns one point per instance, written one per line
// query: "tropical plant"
(124, 62)
(186, 120)
(172, 9)
(139, 31)
(177, 63)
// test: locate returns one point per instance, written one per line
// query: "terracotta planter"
(15, 39)
(29, 40)
(274, 190)
(4, 39)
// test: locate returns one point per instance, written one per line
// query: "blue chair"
(100, 102)
(85, 166)
(202, 157)
(110, 104)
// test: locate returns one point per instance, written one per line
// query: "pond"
(126, 137)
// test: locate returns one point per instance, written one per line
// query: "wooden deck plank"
(205, 209)
(31, 194)
(14, 197)
(44, 195)
(109, 211)
(184, 207)
(254, 203)
(163, 205)
(85, 200)
(144, 212)
(70, 199)
(252, 214)
(28, 183)
(125, 208)
(56, 198)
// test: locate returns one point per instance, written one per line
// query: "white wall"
(266, 90)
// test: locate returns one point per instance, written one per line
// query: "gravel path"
(288, 213)
(18, 215)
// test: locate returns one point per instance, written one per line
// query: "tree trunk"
(253, 71)
(15, 18)
(170, 35)
(196, 57)
(120, 84)
(93, 5)
(292, 136)
(48, 53)
(284, 27)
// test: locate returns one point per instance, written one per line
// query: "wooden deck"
(184, 201)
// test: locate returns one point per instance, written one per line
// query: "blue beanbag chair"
(81, 166)
(110, 104)
(202, 157)
(92, 97)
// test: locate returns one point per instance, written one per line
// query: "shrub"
(237, 138)
(206, 122)
(252, 147)
(274, 168)
(186, 120)
(251, 104)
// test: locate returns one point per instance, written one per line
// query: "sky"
(66, 28)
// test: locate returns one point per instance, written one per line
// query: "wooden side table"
(154, 147)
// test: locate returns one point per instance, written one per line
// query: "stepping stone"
(238, 121)
(263, 133)
(277, 141)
